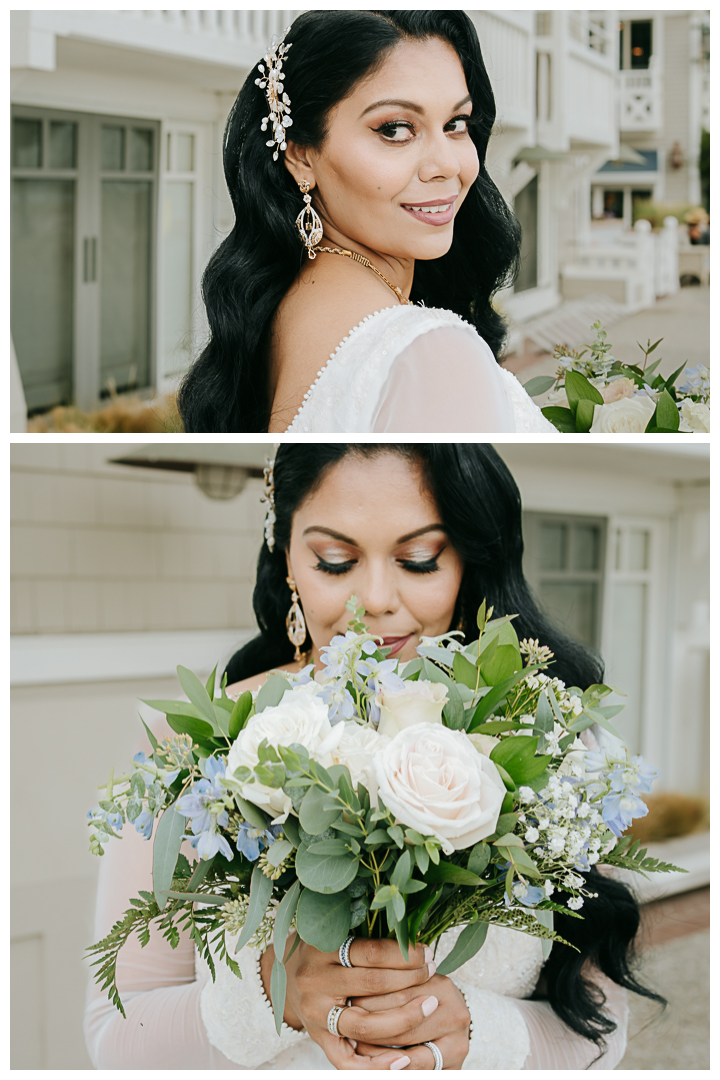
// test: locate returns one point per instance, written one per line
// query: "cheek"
(434, 602)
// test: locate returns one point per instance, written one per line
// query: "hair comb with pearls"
(271, 81)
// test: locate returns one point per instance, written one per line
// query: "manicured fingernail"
(429, 1006)
(400, 1063)
(432, 968)
(428, 954)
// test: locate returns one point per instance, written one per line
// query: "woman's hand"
(317, 981)
(448, 1026)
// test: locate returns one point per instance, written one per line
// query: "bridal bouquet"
(392, 800)
(593, 392)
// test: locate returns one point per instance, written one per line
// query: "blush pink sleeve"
(164, 1027)
(447, 379)
(553, 1045)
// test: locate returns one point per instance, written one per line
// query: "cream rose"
(434, 780)
(623, 416)
(483, 743)
(300, 718)
(618, 389)
(356, 749)
(420, 702)
(694, 416)
(557, 398)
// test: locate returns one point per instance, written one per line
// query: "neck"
(398, 269)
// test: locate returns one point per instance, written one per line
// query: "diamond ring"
(436, 1054)
(332, 1020)
(344, 951)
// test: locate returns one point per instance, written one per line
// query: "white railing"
(593, 29)
(506, 44)
(640, 102)
(645, 262)
(246, 26)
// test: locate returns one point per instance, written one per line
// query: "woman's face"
(372, 530)
(398, 160)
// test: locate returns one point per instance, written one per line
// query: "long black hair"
(479, 505)
(247, 276)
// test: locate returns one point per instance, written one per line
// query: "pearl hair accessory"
(268, 496)
(278, 101)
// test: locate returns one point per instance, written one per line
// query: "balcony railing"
(640, 102)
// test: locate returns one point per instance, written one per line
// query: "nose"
(379, 594)
(440, 162)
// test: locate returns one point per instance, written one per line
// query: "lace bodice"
(416, 369)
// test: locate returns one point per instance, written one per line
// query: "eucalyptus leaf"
(260, 892)
(464, 671)
(240, 713)
(325, 873)
(454, 710)
(284, 917)
(470, 941)
(313, 817)
(166, 848)
(271, 692)
(539, 385)
(278, 989)
(198, 695)
(323, 921)
(278, 852)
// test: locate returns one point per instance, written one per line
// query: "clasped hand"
(394, 1004)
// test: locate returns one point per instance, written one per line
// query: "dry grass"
(120, 415)
(671, 815)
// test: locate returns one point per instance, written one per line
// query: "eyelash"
(395, 124)
(336, 569)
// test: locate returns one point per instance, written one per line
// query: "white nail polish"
(429, 1006)
(432, 968)
(400, 1063)
(428, 954)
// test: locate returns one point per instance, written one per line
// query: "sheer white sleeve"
(446, 379)
(513, 1033)
(167, 1005)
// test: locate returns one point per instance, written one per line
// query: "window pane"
(574, 605)
(62, 144)
(638, 549)
(185, 153)
(553, 546)
(141, 150)
(177, 222)
(125, 283)
(41, 287)
(112, 148)
(27, 143)
(586, 547)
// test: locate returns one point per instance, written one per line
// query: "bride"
(420, 533)
(354, 293)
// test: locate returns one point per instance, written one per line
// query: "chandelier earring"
(295, 622)
(308, 223)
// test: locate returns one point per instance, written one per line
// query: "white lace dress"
(177, 1018)
(416, 369)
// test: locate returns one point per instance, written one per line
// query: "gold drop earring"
(295, 622)
(308, 223)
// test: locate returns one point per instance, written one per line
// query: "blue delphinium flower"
(339, 702)
(144, 823)
(165, 777)
(204, 803)
(619, 809)
(529, 895)
(335, 656)
(634, 776)
(252, 841)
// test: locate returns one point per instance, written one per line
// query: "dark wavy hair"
(480, 506)
(227, 387)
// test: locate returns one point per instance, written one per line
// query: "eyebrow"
(353, 543)
(409, 105)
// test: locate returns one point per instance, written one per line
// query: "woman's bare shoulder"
(254, 682)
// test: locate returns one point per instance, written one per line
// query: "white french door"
(84, 196)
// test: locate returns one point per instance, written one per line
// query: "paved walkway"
(682, 321)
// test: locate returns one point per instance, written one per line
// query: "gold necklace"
(366, 262)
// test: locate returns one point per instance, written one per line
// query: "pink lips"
(432, 218)
(397, 644)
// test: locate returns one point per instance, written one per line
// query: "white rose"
(557, 398)
(618, 389)
(433, 780)
(694, 416)
(356, 749)
(420, 702)
(623, 416)
(299, 718)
